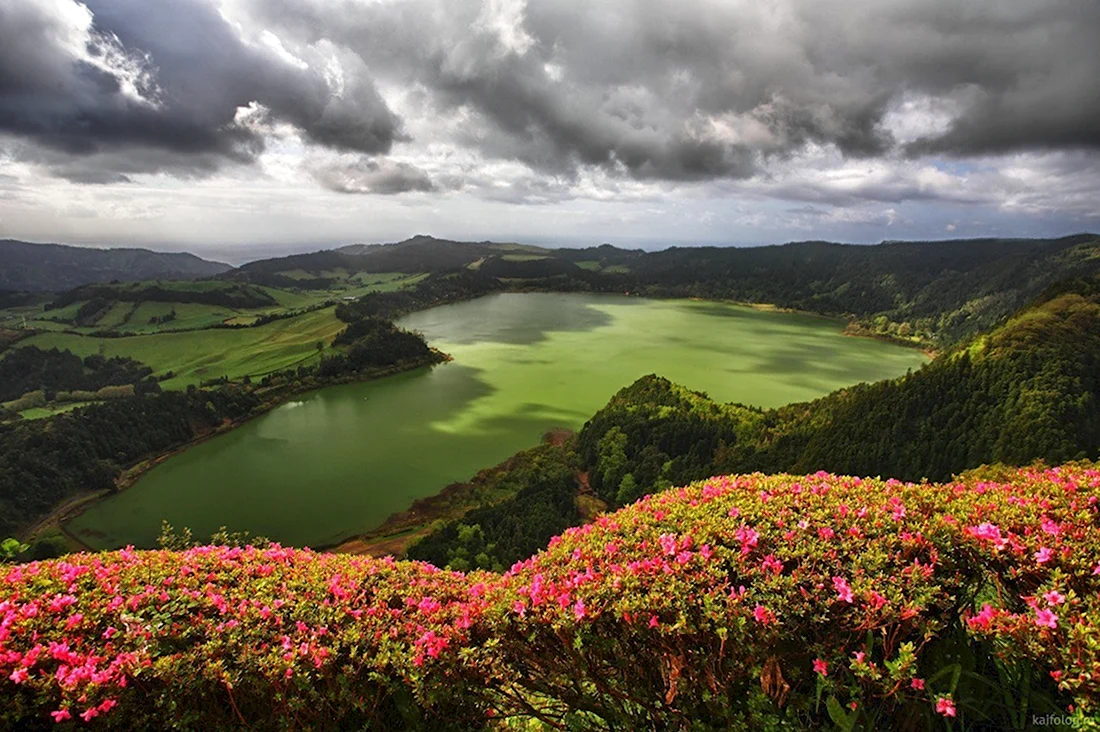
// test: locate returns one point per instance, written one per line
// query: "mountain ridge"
(48, 267)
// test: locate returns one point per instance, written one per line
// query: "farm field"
(149, 316)
(195, 356)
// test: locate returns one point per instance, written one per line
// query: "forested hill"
(1028, 390)
(933, 293)
(937, 292)
(55, 267)
(944, 290)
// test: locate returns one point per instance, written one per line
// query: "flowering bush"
(742, 601)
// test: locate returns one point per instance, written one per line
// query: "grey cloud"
(191, 72)
(370, 176)
(702, 89)
(690, 90)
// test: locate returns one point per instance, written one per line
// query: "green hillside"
(195, 356)
(56, 267)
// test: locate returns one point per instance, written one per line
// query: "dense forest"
(42, 462)
(544, 487)
(1026, 391)
(45, 461)
(51, 371)
(229, 294)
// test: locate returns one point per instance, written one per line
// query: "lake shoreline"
(391, 529)
(75, 505)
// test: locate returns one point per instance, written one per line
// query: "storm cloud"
(141, 87)
(836, 103)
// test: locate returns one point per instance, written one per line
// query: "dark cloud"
(371, 176)
(157, 86)
(684, 90)
(701, 89)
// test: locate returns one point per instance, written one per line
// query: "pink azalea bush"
(738, 602)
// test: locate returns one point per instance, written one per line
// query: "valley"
(339, 461)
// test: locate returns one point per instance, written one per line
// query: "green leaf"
(845, 721)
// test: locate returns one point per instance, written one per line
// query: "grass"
(196, 356)
(593, 266)
(522, 257)
(51, 410)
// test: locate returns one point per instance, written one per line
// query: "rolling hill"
(57, 267)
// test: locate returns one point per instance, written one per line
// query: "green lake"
(339, 460)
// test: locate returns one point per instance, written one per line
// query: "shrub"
(745, 602)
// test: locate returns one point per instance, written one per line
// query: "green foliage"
(31, 368)
(10, 549)
(43, 462)
(211, 292)
(542, 485)
(179, 540)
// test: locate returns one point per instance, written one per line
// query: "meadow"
(196, 356)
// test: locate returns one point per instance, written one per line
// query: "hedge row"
(748, 602)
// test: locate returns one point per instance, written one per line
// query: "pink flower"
(772, 565)
(668, 543)
(19, 675)
(821, 667)
(859, 656)
(843, 590)
(654, 621)
(917, 684)
(60, 715)
(1054, 597)
(988, 532)
(1046, 619)
(90, 713)
(1043, 555)
(763, 615)
(826, 533)
(945, 705)
(748, 538)
(983, 619)
(578, 609)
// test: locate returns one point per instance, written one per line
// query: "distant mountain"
(55, 267)
(934, 292)
(418, 254)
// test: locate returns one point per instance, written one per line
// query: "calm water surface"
(340, 460)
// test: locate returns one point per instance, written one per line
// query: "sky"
(234, 127)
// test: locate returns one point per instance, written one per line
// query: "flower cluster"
(736, 602)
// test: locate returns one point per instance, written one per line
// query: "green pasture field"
(196, 356)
